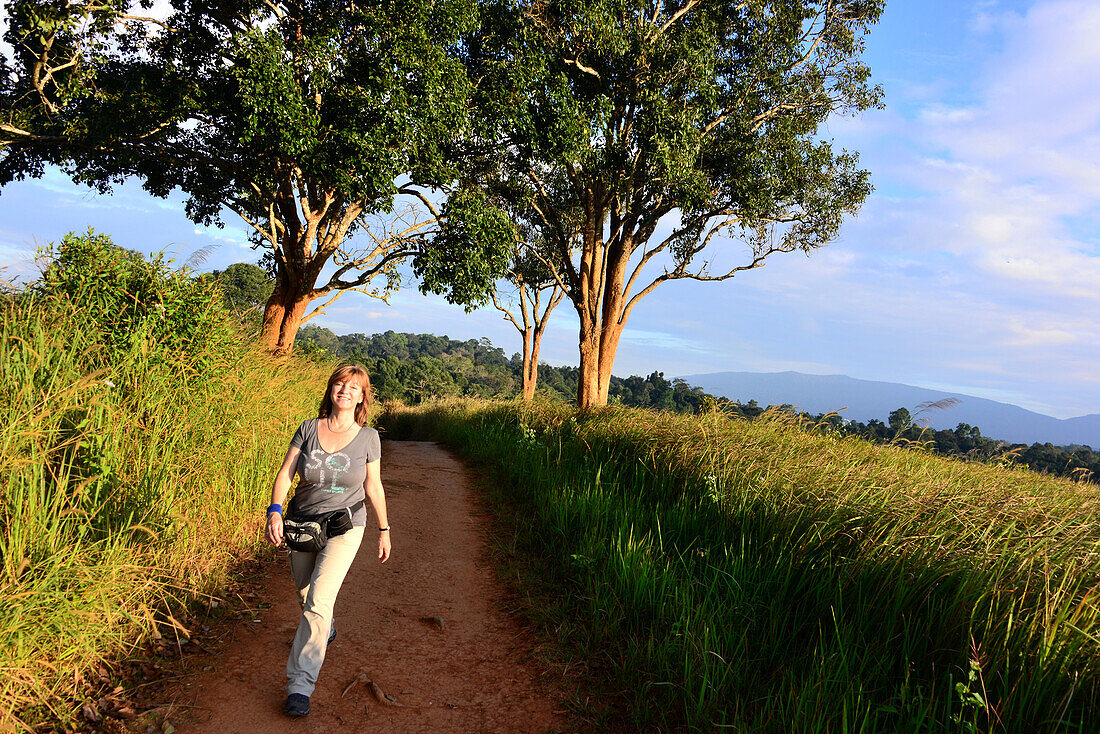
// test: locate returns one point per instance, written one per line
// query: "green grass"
(762, 576)
(137, 457)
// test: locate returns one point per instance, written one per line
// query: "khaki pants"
(318, 577)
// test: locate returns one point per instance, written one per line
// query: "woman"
(336, 456)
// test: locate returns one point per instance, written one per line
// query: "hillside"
(861, 579)
(139, 432)
(762, 575)
(865, 400)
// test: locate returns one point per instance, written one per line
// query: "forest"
(418, 367)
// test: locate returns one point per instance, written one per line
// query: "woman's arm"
(373, 487)
(279, 492)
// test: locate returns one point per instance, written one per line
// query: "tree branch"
(676, 16)
(507, 313)
(424, 199)
(586, 69)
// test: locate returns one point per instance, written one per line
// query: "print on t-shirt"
(337, 465)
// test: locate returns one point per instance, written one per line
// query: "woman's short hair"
(359, 372)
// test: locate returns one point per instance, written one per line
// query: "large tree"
(313, 120)
(684, 131)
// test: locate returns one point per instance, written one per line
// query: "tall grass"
(138, 436)
(763, 576)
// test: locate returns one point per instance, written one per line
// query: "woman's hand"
(384, 546)
(275, 528)
(279, 491)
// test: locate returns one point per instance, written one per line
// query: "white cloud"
(229, 235)
(1025, 336)
(662, 340)
(1014, 181)
(942, 115)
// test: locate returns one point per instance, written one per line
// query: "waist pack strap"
(292, 507)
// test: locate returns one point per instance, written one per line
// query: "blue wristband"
(275, 508)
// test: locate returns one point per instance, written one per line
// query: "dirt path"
(427, 628)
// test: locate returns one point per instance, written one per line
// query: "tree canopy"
(314, 121)
(246, 287)
(670, 128)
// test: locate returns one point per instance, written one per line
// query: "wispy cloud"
(1023, 163)
(228, 235)
(662, 340)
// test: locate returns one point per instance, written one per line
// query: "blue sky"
(974, 266)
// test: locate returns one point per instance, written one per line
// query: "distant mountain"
(867, 399)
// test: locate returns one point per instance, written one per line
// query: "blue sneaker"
(296, 705)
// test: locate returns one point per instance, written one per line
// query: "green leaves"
(678, 107)
(131, 303)
(246, 287)
(224, 100)
(472, 250)
(300, 117)
(613, 118)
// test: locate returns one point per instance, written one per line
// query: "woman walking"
(337, 458)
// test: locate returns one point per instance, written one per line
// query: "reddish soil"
(427, 631)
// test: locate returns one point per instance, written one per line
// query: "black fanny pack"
(310, 533)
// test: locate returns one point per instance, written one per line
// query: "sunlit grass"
(132, 480)
(764, 576)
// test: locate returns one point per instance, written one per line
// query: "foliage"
(312, 121)
(135, 303)
(470, 253)
(418, 367)
(138, 433)
(246, 287)
(414, 367)
(613, 121)
(899, 420)
(758, 576)
(967, 442)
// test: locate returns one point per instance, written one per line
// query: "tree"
(246, 286)
(900, 420)
(535, 279)
(312, 120)
(670, 127)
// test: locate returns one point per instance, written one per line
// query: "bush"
(130, 303)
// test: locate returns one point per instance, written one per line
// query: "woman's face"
(347, 393)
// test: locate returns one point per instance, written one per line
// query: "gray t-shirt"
(333, 481)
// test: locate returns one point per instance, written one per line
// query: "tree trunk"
(273, 317)
(609, 347)
(531, 363)
(528, 335)
(597, 360)
(601, 327)
(292, 319)
(588, 381)
(282, 317)
(611, 311)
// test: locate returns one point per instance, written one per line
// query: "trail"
(427, 628)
